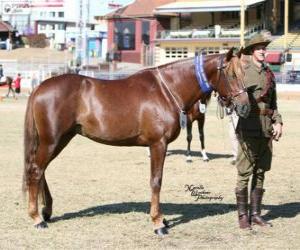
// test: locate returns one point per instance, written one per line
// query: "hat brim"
(248, 50)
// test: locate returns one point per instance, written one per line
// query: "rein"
(182, 114)
(168, 89)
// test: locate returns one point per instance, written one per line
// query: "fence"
(42, 70)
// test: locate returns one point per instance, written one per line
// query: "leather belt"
(268, 112)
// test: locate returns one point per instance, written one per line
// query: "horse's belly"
(111, 132)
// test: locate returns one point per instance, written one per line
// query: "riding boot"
(242, 207)
(255, 208)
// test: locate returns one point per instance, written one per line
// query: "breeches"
(254, 159)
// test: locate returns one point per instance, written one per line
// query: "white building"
(67, 23)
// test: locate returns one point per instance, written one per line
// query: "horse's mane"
(170, 64)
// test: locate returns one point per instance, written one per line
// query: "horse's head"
(230, 83)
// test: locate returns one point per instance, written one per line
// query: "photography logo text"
(198, 192)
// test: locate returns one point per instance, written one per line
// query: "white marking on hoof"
(204, 155)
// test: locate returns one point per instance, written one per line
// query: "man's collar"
(256, 67)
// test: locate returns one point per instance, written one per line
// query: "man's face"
(259, 52)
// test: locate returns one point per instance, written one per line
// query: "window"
(174, 52)
(229, 15)
(208, 50)
(185, 20)
(52, 14)
(50, 26)
(124, 35)
(145, 32)
(42, 26)
(61, 14)
(61, 26)
(258, 12)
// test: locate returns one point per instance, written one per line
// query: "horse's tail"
(31, 140)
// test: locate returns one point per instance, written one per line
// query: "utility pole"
(242, 21)
(86, 22)
(82, 33)
(79, 40)
(286, 23)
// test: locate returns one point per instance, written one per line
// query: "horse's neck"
(181, 80)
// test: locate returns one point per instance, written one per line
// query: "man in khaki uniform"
(256, 133)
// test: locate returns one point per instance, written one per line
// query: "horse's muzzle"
(243, 110)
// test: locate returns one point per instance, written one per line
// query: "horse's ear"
(229, 54)
(240, 52)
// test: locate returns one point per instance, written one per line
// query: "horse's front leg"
(201, 122)
(158, 153)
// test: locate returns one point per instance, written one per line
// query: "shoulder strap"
(270, 83)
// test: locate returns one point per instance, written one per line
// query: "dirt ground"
(101, 193)
(39, 54)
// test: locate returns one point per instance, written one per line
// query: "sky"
(104, 4)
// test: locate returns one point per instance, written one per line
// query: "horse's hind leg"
(201, 122)
(158, 151)
(38, 184)
(189, 137)
(46, 199)
(36, 173)
(45, 154)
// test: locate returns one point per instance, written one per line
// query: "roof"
(205, 6)
(139, 8)
(5, 27)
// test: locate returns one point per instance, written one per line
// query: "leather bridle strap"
(220, 71)
(168, 89)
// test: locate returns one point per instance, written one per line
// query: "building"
(133, 29)
(178, 29)
(67, 24)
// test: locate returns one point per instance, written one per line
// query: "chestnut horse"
(195, 114)
(141, 110)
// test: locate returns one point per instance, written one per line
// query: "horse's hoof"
(161, 231)
(166, 223)
(189, 159)
(206, 160)
(41, 225)
(46, 216)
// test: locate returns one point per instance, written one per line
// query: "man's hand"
(277, 131)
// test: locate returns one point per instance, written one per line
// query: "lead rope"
(182, 114)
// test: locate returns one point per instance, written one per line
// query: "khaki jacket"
(263, 101)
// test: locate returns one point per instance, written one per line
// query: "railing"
(216, 32)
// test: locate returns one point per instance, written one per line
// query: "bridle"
(228, 100)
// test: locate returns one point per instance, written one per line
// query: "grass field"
(101, 193)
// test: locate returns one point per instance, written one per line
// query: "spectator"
(34, 81)
(17, 83)
(9, 81)
(1, 71)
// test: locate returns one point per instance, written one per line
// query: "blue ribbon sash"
(200, 74)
